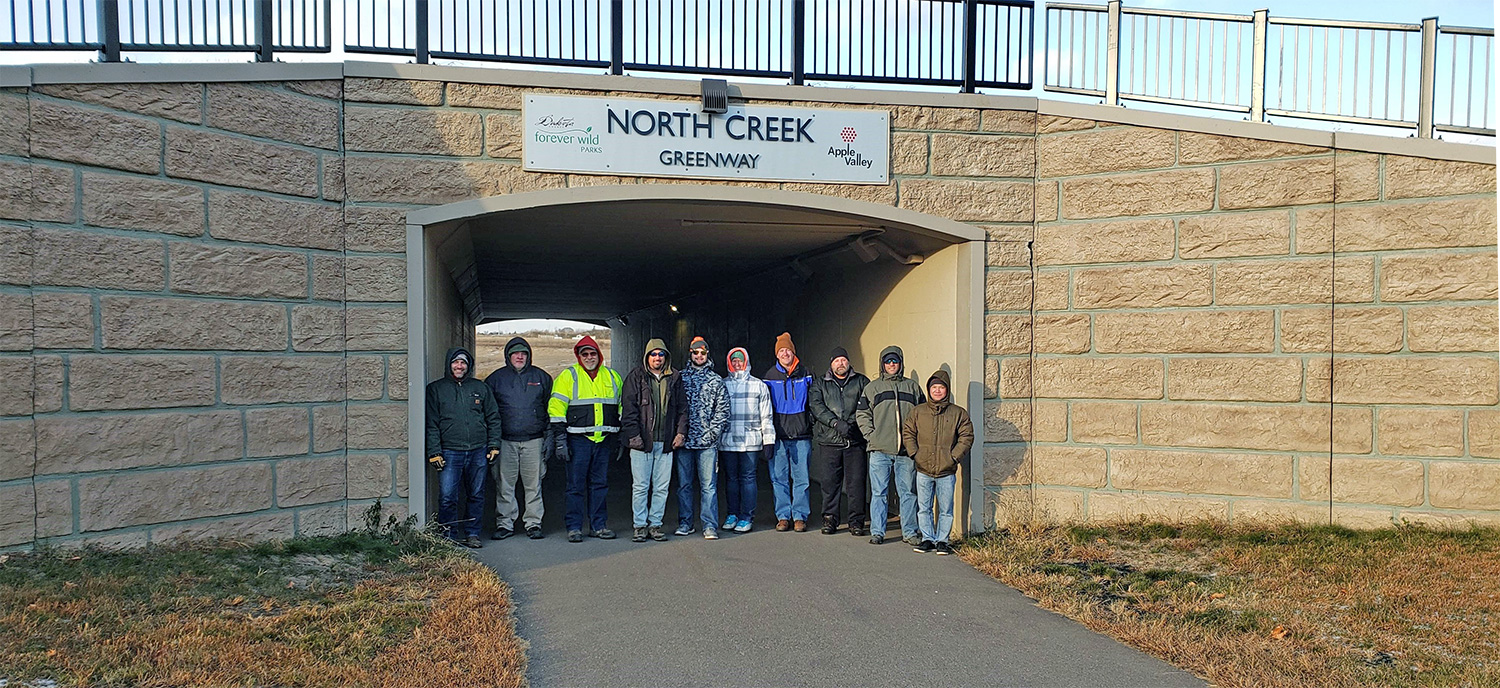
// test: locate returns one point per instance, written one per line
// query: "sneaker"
(535, 533)
(473, 542)
(943, 548)
(575, 536)
(742, 526)
(912, 540)
(604, 534)
(830, 525)
(924, 547)
(501, 533)
(710, 534)
(877, 539)
(639, 535)
(783, 525)
(799, 525)
(656, 534)
(730, 522)
(685, 530)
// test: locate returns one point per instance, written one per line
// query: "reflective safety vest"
(590, 406)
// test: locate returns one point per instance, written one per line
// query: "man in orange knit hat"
(789, 383)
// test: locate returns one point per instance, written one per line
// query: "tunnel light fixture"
(672, 306)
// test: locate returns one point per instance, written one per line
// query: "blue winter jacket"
(789, 401)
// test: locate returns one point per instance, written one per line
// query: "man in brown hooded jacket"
(938, 434)
(653, 425)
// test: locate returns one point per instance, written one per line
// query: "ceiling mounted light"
(672, 306)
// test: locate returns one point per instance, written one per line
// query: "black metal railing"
(964, 43)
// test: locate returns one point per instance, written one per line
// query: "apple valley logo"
(851, 157)
(848, 134)
(565, 133)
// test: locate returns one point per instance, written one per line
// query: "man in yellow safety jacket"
(585, 415)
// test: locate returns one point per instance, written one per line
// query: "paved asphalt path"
(785, 609)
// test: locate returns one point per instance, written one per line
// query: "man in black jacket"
(462, 438)
(840, 446)
(521, 390)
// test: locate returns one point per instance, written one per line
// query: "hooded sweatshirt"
(461, 412)
(707, 405)
(652, 406)
(751, 427)
(884, 405)
(521, 394)
(938, 433)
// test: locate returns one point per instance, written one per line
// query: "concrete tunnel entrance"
(735, 265)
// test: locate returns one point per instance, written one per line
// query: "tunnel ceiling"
(597, 260)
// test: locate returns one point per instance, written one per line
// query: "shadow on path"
(784, 609)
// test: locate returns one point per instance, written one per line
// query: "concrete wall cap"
(1419, 148)
(15, 77)
(135, 73)
(930, 225)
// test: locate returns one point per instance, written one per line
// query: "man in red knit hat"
(585, 415)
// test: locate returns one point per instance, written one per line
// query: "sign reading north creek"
(659, 138)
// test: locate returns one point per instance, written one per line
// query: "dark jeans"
(464, 470)
(739, 483)
(588, 473)
(846, 473)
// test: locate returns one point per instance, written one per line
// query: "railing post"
(109, 30)
(265, 43)
(1112, 56)
(1429, 77)
(1258, 67)
(799, 41)
(971, 33)
(617, 37)
(423, 46)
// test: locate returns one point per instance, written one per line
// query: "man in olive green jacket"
(938, 434)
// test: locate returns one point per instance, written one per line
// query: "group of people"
(869, 435)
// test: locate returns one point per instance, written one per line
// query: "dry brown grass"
(357, 610)
(1273, 606)
(549, 350)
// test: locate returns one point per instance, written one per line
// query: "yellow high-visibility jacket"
(590, 406)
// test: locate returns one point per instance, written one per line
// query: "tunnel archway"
(735, 264)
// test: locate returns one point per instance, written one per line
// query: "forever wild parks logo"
(848, 154)
(564, 131)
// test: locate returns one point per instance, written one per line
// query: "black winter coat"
(461, 414)
(522, 397)
(829, 400)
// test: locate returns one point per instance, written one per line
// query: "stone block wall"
(1241, 329)
(203, 324)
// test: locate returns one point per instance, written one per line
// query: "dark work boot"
(830, 525)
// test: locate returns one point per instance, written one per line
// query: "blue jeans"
(650, 475)
(926, 486)
(588, 486)
(881, 466)
(789, 479)
(698, 483)
(739, 484)
(464, 470)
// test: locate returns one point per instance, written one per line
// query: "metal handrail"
(1321, 69)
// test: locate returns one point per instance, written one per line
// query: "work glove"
(490, 457)
(843, 429)
(636, 443)
(437, 462)
(560, 443)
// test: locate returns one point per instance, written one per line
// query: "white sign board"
(659, 138)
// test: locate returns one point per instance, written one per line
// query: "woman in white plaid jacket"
(750, 433)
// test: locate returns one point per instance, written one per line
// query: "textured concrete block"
(236, 161)
(376, 328)
(260, 528)
(1007, 464)
(78, 444)
(1483, 431)
(1300, 280)
(396, 381)
(1438, 277)
(1198, 149)
(1114, 149)
(328, 278)
(129, 499)
(1301, 427)
(1248, 475)
(369, 476)
(54, 508)
(1049, 421)
(1102, 422)
(1377, 481)
(1452, 328)
(1356, 177)
(879, 194)
(17, 514)
(1421, 432)
(1009, 421)
(333, 177)
(1051, 124)
(1061, 333)
(399, 130)
(1230, 235)
(152, 205)
(318, 328)
(1144, 287)
(1206, 332)
(966, 155)
(1098, 378)
(259, 110)
(16, 252)
(502, 135)
(16, 385)
(140, 381)
(1409, 177)
(908, 152)
(969, 201)
(323, 520)
(1129, 195)
(310, 481)
(67, 258)
(1051, 290)
(17, 449)
(1007, 290)
(1104, 242)
(1429, 224)
(374, 278)
(15, 322)
(1447, 380)
(1015, 377)
(329, 426)
(1464, 485)
(63, 320)
(1350, 329)
(1076, 466)
(1108, 507)
(935, 119)
(277, 431)
(281, 379)
(1007, 335)
(1235, 379)
(94, 137)
(1007, 121)
(272, 220)
(1047, 194)
(232, 271)
(157, 323)
(36, 192)
(485, 96)
(375, 229)
(1007, 254)
(398, 91)
(366, 375)
(182, 102)
(991, 378)
(412, 180)
(377, 426)
(1271, 184)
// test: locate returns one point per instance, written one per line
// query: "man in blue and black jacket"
(789, 383)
